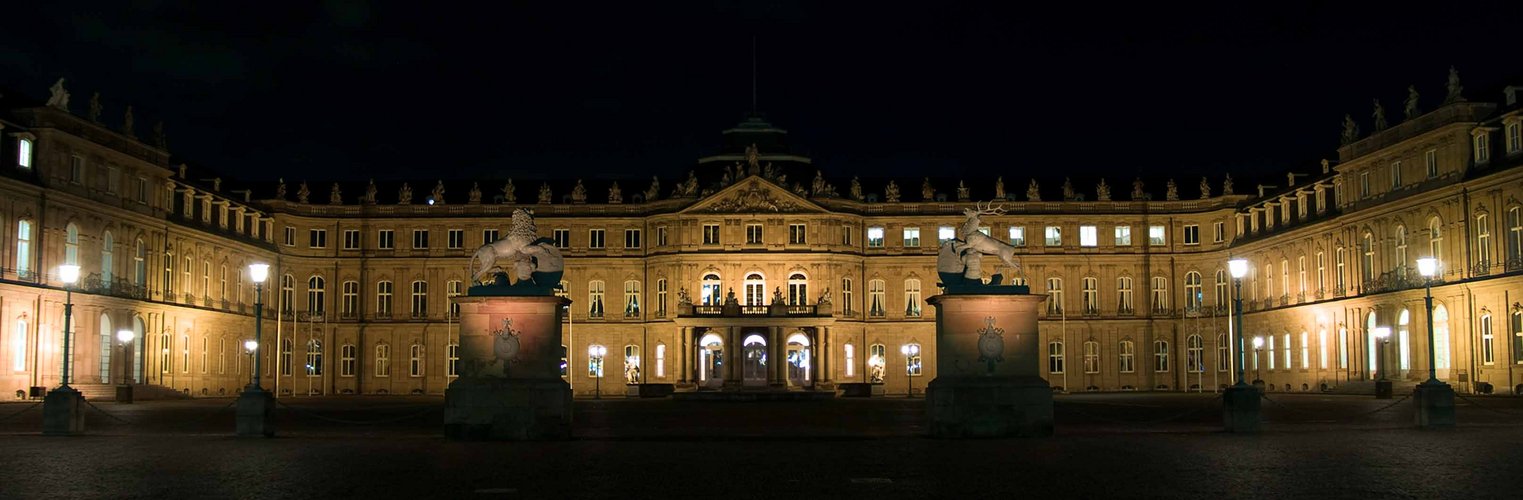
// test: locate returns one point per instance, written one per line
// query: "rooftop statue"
(687, 188)
(1205, 188)
(335, 196)
(1227, 186)
(280, 188)
(438, 194)
(1350, 130)
(127, 123)
(158, 138)
(1380, 116)
(474, 195)
(404, 195)
(927, 193)
(1411, 106)
(509, 193)
(1453, 87)
(999, 187)
(1068, 190)
(536, 264)
(1325, 166)
(95, 108)
(1138, 191)
(302, 193)
(1103, 191)
(544, 194)
(753, 159)
(57, 96)
(615, 195)
(891, 192)
(370, 192)
(856, 189)
(1171, 191)
(959, 260)
(653, 192)
(962, 191)
(1033, 192)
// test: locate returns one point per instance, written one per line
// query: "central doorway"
(798, 360)
(754, 372)
(710, 361)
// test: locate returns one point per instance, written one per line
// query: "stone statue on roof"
(1033, 191)
(1068, 190)
(856, 189)
(1171, 191)
(615, 195)
(1205, 188)
(962, 191)
(817, 186)
(1411, 106)
(1325, 166)
(1453, 87)
(753, 160)
(57, 96)
(1380, 116)
(891, 192)
(127, 123)
(473, 196)
(726, 178)
(545, 197)
(653, 192)
(438, 193)
(509, 193)
(1227, 186)
(999, 187)
(578, 192)
(687, 188)
(95, 108)
(369, 193)
(927, 193)
(280, 187)
(302, 193)
(1103, 191)
(404, 195)
(1139, 192)
(158, 138)
(1350, 130)
(335, 196)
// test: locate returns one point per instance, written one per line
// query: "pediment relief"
(755, 195)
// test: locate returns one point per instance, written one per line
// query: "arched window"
(1440, 337)
(1514, 235)
(314, 358)
(105, 348)
(1091, 356)
(1160, 295)
(1284, 278)
(1223, 353)
(287, 293)
(1483, 241)
(876, 361)
(755, 288)
(1124, 295)
(632, 364)
(912, 365)
(798, 289)
(1301, 278)
(846, 302)
(285, 357)
(1339, 272)
(1128, 356)
(1401, 251)
(709, 292)
(661, 297)
(1285, 350)
(139, 263)
(383, 293)
(1305, 351)
(18, 345)
(1403, 341)
(24, 153)
(1436, 241)
(912, 298)
(1160, 355)
(139, 330)
(1221, 298)
(595, 362)
(660, 360)
(71, 244)
(1321, 273)
(1195, 354)
(419, 299)
(383, 360)
(24, 248)
(1090, 295)
(851, 358)
(415, 360)
(1269, 348)
(595, 298)
(1055, 357)
(1194, 295)
(206, 280)
(316, 293)
(1322, 348)
(876, 298)
(107, 267)
(631, 298)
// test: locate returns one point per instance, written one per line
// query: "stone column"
(775, 354)
(814, 358)
(684, 349)
(733, 357)
(827, 360)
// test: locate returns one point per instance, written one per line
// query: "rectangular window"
(945, 234)
(317, 238)
(1017, 236)
(346, 360)
(797, 234)
(1482, 147)
(1123, 236)
(290, 239)
(595, 238)
(142, 194)
(753, 234)
(1054, 236)
(846, 235)
(24, 153)
(711, 234)
(1055, 357)
(1192, 234)
(1089, 236)
(1488, 342)
(874, 237)
(1157, 235)
(383, 291)
(420, 239)
(351, 239)
(452, 360)
(1220, 233)
(351, 299)
(1395, 175)
(1430, 158)
(851, 359)
(385, 239)
(631, 238)
(911, 237)
(661, 236)
(76, 169)
(488, 236)
(455, 239)
(562, 238)
(113, 180)
(1364, 184)
(1514, 137)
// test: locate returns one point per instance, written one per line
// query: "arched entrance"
(711, 361)
(754, 369)
(798, 360)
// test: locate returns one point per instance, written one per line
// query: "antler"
(990, 209)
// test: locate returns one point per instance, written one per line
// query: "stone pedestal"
(510, 386)
(1382, 389)
(124, 394)
(1240, 408)
(63, 412)
(255, 413)
(988, 381)
(1435, 405)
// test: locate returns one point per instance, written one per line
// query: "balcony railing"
(1090, 311)
(773, 310)
(1481, 268)
(1125, 310)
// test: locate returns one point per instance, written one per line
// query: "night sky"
(421, 90)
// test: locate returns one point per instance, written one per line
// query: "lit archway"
(754, 367)
(798, 359)
(710, 361)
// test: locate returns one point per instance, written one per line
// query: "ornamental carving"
(753, 199)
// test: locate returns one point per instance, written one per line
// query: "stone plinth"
(1383, 389)
(510, 386)
(63, 412)
(255, 413)
(1435, 405)
(988, 380)
(1240, 408)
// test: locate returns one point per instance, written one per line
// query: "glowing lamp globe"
(259, 272)
(68, 274)
(1427, 266)
(1238, 267)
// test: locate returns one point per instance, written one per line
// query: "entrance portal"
(798, 360)
(711, 361)
(755, 367)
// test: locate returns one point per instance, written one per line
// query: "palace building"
(755, 272)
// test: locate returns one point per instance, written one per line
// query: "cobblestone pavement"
(1112, 445)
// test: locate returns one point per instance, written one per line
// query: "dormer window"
(1482, 144)
(1514, 132)
(24, 153)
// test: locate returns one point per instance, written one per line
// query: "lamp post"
(258, 273)
(1238, 268)
(1434, 400)
(124, 388)
(595, 354)
(62, 410)
(256, 406)
(1383, 385)
(910, 351)
(1258, 355)
(1240, 403)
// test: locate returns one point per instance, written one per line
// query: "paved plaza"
(1110, 445)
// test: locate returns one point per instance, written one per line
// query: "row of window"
(1052, 236)
(313, 366)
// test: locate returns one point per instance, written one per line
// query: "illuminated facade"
(358, 300)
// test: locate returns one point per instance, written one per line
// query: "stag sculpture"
(959, 260)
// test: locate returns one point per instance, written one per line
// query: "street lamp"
(1258, 354)
(1434, 399)
(69, 275)
(62, 408)
(595, 353)
(1383, 334)
(258, 273)
(124, 388)
(910, 351)
(1239, 269)
(1428, 267)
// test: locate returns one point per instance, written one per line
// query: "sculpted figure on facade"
(95, 107)
(1033, 192)
(1205, 188)
(57, 96)
(404, 195)
(127, 123)
(370, 191)
(1350, 130)
(683, 299)
(578, 192)
(891, 192)
(536, 264)
(821, 188)
(1139, 192)
(335, 195)
(927, 193)
(473, 196)
(999, 187)
(1325, 166)
(753, 160)
(615, 195)
(545, 197)
(1068, 190)
(1103, 191)
(653, 192)
(302, 193)
(687, 188)
(509, 192)
(280, 188)
(1379, 116)
(1454, 89)
(962, 191)
(1411, 106)
(856, 189)
(438, 193)
(1227, 186)
(1171, 191)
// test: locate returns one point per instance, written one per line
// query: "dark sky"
(438, 89)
